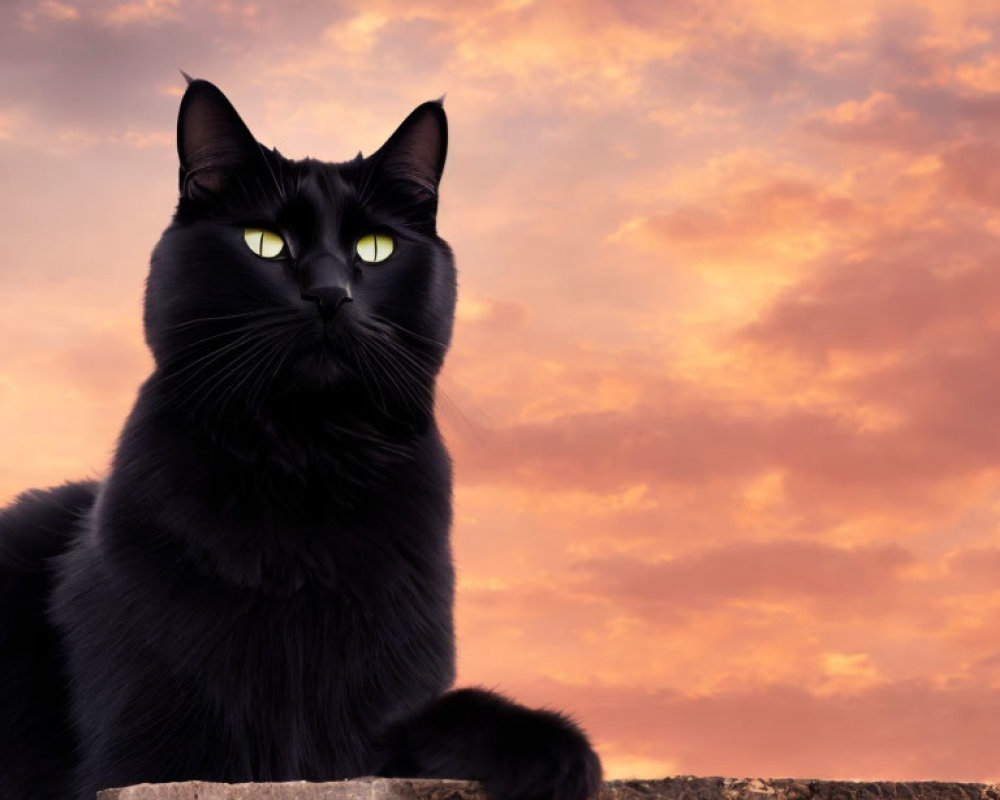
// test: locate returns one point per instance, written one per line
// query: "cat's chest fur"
(294, 632)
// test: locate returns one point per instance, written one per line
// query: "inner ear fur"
(212, 140)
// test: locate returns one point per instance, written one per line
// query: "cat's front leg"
(517, 753)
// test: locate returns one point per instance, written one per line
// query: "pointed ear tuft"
(211, 139)
(416, 151)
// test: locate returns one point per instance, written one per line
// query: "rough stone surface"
(680, 788)
(359, 789)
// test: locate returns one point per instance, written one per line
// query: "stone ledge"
(683, 787)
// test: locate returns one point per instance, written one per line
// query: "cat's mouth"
(324, 355)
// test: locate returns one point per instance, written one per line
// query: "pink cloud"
(971, 170)
(909, 730)
(145, 11)
(728, 223)
(902, 289)
(880, 120)
(855, 581)
(723, 396)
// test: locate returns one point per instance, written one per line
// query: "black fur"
(261, 589)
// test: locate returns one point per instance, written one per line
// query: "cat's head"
(301, 281)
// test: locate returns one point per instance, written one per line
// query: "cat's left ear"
(415, 153)
(211, 139)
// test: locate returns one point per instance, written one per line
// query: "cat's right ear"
(211, 140)
(415, 153)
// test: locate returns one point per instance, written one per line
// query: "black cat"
(261, 589)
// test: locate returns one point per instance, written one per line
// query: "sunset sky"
(724, 395)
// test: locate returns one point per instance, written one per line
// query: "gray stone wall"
(679, 788)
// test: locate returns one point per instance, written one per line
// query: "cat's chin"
(319, 367)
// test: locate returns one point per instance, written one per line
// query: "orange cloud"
(730, 224)
(722, 396)
(879, 119)
(971, 171)
(851, 581)
(903, 731)
(144, 11)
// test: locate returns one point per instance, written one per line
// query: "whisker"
(361, 355)
(256, 313)
(214, 353)
(400, 350)
(245, 330)
(395, 325)
(217, 380)
(283, 349)
(199, 365)
(213, 385)
(252, 362)
(395, 372)
(280, 187)
(398, 347)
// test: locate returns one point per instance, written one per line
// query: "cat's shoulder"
(39, 523)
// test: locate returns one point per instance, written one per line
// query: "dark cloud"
(93, 73)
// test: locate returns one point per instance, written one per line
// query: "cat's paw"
(517, 753)
(543, 755)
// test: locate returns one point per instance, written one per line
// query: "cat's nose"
(328, 298)
(326, 281)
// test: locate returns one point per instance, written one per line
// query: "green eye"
(264, 243)
(375, 247)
